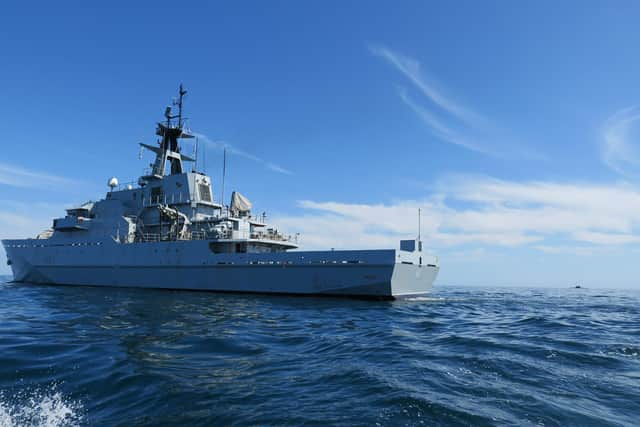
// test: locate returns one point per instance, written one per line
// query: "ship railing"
(166, 200)
(225, 211)
(150, 237)
(278, 237)
(127, 185)
(220, 234)
(197, 235)
(204, 235)
(228, 234)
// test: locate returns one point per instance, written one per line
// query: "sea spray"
(41, 407)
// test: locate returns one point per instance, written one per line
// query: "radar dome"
(113, 182)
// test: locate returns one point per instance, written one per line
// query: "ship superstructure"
(168, 231)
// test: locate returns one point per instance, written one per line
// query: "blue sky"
(512, 125)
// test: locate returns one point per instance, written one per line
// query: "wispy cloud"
(572, 250)
(439, 128)
(220, 145)
(482, 211)
(448, 119)
(606, 238)
(17, 176)
(619, 152)
(21, 220)
(411, 69)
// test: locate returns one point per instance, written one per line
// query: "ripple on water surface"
(462, 356)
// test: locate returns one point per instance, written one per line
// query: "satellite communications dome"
(113, 182)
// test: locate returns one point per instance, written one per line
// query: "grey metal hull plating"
(190, 265)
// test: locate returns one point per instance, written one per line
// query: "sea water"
(462, 356)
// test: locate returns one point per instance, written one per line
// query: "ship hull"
(191, 265)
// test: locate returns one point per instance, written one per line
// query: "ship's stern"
(414, 271)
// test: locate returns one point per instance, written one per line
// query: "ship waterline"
(169, 232)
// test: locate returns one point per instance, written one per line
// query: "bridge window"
(205, 192)
(157, 195)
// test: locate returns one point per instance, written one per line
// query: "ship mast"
(181, 92)
(168, 149)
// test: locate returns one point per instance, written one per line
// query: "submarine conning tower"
(168, 149)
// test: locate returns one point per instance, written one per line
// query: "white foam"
(39, 408)
(425, 299)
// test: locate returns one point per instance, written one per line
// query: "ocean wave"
(456, 357)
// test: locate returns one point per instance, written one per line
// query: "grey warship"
(167, 231)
